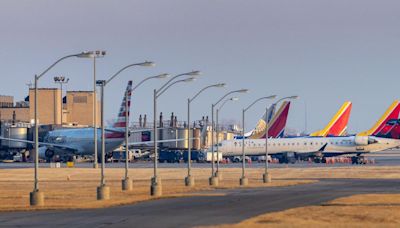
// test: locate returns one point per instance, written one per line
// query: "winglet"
(322, 149)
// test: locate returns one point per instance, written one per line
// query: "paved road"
(235, 206)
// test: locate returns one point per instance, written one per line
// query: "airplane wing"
(48, 145)
(160, 141)
(308, 152)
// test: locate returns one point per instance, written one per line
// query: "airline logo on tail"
(277, 123)
(121, 120)
(338, 124)
(380, 127)
(391, 129)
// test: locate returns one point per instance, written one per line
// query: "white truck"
(208, 157)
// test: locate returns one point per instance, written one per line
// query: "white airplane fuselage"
(334, 145)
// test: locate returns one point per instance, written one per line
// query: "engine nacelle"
(363, 140)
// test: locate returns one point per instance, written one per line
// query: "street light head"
(189, 79)
(100, 53)
(147, 64)
(243, 91)
(234, 99)
(294, 97)
(194, 73)
(100, 82)
(92, 54)
(221, 85)
(61, 79)
(161, 76)
(271, 97)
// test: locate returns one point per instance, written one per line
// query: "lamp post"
(37, 197)
(61, 80)
(103, 191)
(94, 55)
(156, 185)
(243, 180)
(267, 178)
(126, 182)
(213, 180)
(218, 173)
(189, 180)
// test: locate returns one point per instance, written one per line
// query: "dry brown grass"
(372, 172)
(370, 210)
(80, 190)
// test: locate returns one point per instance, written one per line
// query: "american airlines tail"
(277, 123)
(381, 126)
(121, 120)
(338, 124)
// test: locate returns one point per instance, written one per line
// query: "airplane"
(337, 126)
(277, 122)
(68, 142)
(80, 141)
(318, 146)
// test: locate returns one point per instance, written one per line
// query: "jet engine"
(364, 140)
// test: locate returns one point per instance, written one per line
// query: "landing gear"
(319, 159)
(358, 160)
(287, 158)
(49, 154)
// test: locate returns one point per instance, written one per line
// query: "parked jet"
(80, 141)
(315, 146)
(337, 126)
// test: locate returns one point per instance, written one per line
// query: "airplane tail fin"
(381, 126)
(259, 130)
(121, 120)
(338, 124)
(277, 122)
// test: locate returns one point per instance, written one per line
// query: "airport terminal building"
(74, 107)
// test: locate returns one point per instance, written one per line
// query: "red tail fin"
(391, 113)
(277, 124)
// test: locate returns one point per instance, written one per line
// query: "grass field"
(370, 210)
(69, 188)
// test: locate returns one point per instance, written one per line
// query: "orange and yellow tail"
(338, 124)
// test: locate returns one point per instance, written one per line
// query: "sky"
(324, 51)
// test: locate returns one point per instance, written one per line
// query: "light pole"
(94, 55)
(267, 178)
(218, 173)
(61, 80)
(213, 180)
(127, 183)
(103, 191)
(37, 197)
(243, 180)
(189, 180)
(156, 185)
